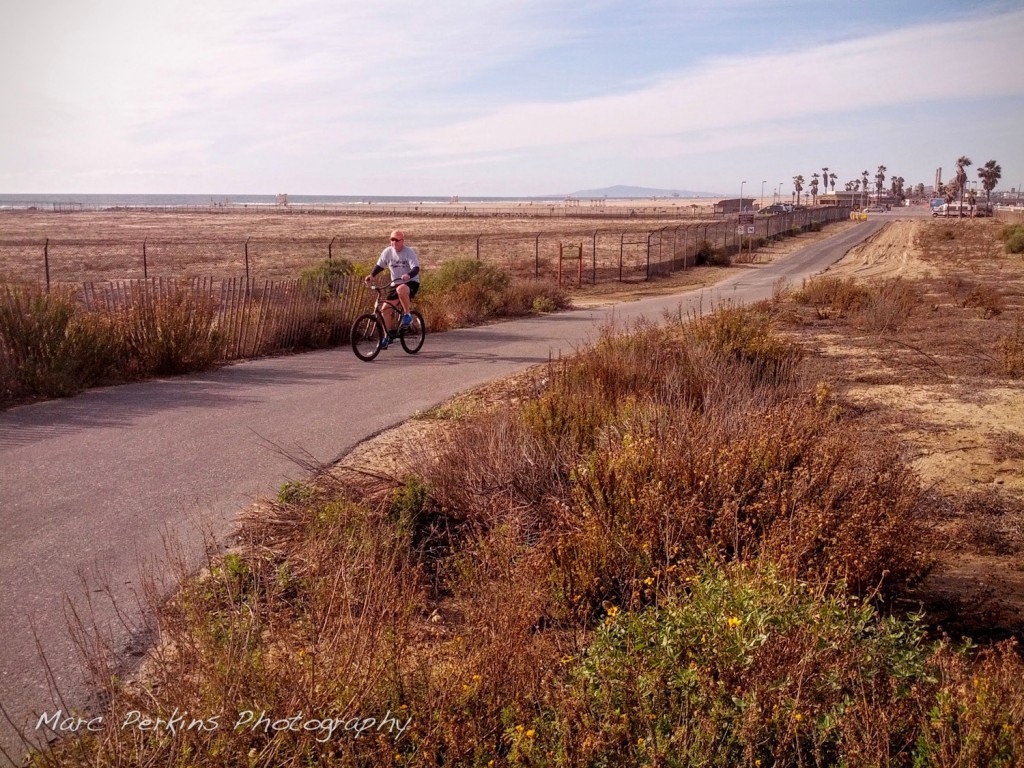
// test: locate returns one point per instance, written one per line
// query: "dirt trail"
(964, 432)
(892, 251)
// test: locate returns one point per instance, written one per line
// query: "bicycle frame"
(382, 301)
(370, 332)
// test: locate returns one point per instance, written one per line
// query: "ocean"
(98, 202)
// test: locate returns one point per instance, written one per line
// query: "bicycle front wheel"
(413, 336)
(367, 333)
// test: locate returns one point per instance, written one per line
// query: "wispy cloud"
(888, 70)
(492, 95)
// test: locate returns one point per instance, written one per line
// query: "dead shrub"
(879, 307)
(52, 346)
(1010, 348)
(831, 296)
(888, 305)
(992, 521)
(170, 333)
(970, 294)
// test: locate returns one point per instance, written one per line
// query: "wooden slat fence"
(248, 318)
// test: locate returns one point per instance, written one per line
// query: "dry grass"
(683, 546)
(679, 560)
(118, 245)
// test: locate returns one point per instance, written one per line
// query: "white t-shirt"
(400, 263)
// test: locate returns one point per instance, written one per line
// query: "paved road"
(89, 486)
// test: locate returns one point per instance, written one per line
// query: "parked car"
(874, 209)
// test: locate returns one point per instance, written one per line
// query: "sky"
(503, 97)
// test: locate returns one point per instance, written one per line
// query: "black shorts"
(414, 287)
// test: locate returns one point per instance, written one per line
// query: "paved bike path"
(90, 486)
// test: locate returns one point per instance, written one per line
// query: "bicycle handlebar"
(392, 284)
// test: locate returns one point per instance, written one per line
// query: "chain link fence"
(604, 254)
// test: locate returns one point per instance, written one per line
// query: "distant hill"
(624, 191)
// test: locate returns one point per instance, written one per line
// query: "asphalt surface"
(92, 487)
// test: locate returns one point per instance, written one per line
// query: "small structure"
(282, 198)
(735, 205)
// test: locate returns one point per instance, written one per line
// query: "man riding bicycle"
(405, 274)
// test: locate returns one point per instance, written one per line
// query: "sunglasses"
(397, 239)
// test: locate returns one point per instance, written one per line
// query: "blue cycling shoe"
(406, 321)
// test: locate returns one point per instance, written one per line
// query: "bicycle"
(369, 331)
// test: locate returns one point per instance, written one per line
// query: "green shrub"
(706, 253)
(524, 297)
(294, 492)
(454, 273)
(468, 290)
(1015, 240)
(747, 667)
(332, 274)
(543, 304)
(747, 335)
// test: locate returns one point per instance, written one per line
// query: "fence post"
(330, 252)
(649, 255)
(247, 259)
(593, 262)
(46, 262)
(145, 265)
(536, 257)
(622, 238)
(478, 247)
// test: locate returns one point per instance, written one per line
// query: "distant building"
(854, 199)
(282, 198)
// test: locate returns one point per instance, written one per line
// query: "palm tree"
(831, 178)
(897, 188)
(961, 178)
(880, 181)
(990, 174)
(864, 185)
(824, 178)
(798, 186)
(949, 192)
(814, 188)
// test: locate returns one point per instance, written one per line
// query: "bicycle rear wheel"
(367, 332)
(413, 336)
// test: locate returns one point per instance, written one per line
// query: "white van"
(959, 210)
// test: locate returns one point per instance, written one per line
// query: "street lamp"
(741, 195)
(760, 201)
(780, 191)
